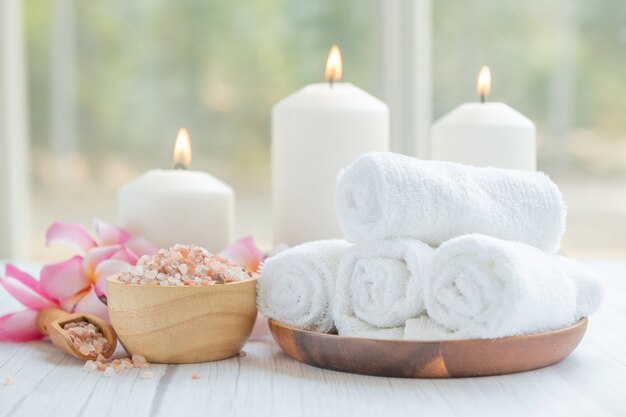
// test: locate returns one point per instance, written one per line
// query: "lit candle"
(178, 205)
(485, 134)
(315, 132)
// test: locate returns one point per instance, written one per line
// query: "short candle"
(485, 134)
(178, 206)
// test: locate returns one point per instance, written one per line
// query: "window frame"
(405, 72)
(15, 181)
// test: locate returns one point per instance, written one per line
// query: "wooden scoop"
(50, 321)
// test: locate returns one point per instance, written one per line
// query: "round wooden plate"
(415, 359)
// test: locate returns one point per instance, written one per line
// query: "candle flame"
(483, 86)
(182, 149)
(334, 66)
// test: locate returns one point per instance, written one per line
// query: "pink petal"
(26, 295)
(140, 246)
(23, 277)
(102, 253)
(19, 327)
(64, 279)
(244, 252)
(126, 255)
(261, 328)
(71, 234)
(69, 304)
(110, 235)
(104, 270)
(90, 303)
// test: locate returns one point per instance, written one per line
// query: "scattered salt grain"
(195, 377)
(139, 361)
(126, 364)
(90, 366)
(8, 380)
(116, 366)
(147, 375)
(243, 354)
(184, 265)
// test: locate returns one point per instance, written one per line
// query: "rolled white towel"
(294, 286)
(384, 195)
(482, 287)
(379, 286)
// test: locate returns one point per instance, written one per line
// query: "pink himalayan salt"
(147, 375)
(8, 380)
(87, 338)
(139, 361)
(90, 366)
(183, 265)
(116, 365)
(195, 377)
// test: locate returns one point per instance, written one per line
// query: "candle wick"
(482, 97)
(331, 82)
(180, 165)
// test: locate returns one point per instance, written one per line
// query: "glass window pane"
(562, 64)
(111, 83)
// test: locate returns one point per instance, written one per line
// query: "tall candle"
(178, 205)
(315, 132)
(485, 134)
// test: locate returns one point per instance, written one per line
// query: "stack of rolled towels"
(433, 251)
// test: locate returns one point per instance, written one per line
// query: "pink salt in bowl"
(182, 324)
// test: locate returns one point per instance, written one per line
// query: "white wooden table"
(590, 382)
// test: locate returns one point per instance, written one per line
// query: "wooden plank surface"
(591, 382)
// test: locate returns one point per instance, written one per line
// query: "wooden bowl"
(415, 359)
(182, 324)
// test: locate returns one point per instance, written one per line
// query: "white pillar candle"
(178, 206)
(485, 134)
(315, 132)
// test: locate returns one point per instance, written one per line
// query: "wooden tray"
(414, 359)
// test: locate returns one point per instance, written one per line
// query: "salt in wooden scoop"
(51, 322)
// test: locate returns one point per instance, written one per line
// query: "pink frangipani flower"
(75, 285)
(20, 326)
(244, 252)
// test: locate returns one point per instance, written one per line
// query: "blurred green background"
(111, 82)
